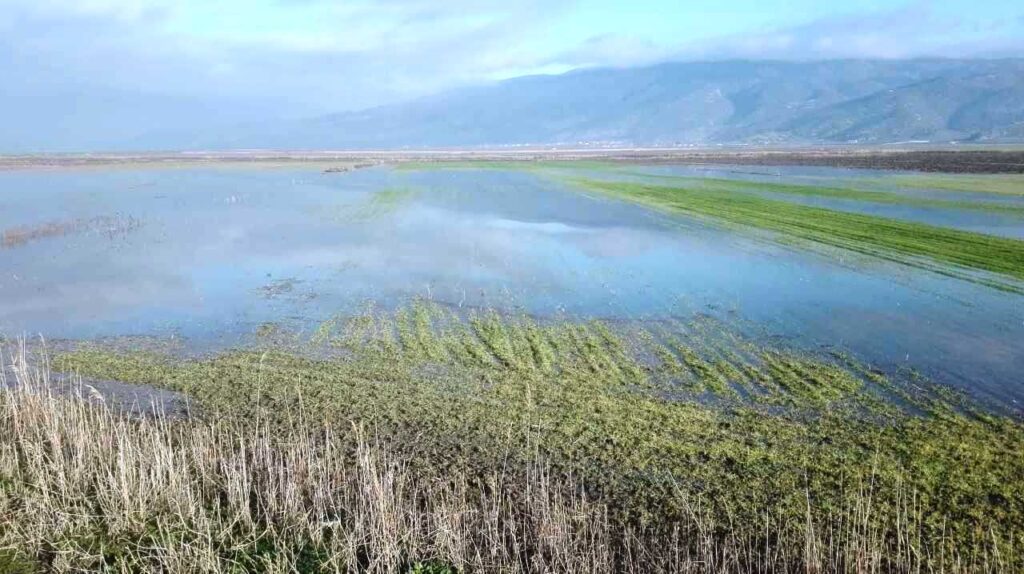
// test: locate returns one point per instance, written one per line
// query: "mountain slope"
(860, 101)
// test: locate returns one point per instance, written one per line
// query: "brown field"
(942, 160)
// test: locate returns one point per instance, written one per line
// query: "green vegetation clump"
(842, 193)
(999, 184)
(709, 439)
(995, 184)
(942, 250)
(377, 205)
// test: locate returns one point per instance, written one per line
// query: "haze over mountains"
(703, 103)
(730, 102)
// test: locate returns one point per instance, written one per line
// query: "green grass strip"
(998, 184)
(880, 197)
(1006, 185)
(900, 241)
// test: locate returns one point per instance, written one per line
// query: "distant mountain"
(734, 102)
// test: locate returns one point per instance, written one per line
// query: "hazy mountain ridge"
(850, 101)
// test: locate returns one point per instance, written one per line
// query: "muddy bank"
(1004, 160)
(981, 161)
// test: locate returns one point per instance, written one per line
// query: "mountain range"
(686, 103)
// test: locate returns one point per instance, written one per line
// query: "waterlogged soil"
(216, 258)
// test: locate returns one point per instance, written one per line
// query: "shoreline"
(988, 160)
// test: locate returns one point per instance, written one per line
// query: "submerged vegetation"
(506, 444)
(840, 193)
(848, 191)
(109, 226)
(513, 165)
(1001, 184)
(386, 201)
(435, 440)
(939, 249)
(375, 206)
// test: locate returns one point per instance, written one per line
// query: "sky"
(238, 60)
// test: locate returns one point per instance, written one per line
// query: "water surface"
(208, 256)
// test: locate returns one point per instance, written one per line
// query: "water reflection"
(218, 253)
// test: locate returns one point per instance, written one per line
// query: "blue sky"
(238, 59)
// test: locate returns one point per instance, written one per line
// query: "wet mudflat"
(214, 258)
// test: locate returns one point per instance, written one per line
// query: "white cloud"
(910, 31)
(242, 60)
(357, 55)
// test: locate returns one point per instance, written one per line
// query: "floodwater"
(208, 256)
(1004, 215)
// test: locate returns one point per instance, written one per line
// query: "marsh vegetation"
(940, 249)
(500, 443)
(547, 401)
(109, 226)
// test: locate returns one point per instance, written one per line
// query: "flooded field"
(213, 258)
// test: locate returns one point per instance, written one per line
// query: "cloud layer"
(78, 73)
